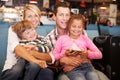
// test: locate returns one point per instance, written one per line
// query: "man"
(62, 15)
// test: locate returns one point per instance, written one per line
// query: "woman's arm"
(41, 55)
(22, 52)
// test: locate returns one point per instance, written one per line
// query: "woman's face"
(33, 17)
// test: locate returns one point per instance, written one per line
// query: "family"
(29, 54)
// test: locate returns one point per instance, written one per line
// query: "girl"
(77, 42)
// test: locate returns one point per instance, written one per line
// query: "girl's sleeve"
(94, 52)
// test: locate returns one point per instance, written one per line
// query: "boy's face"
(29, 34)
(62, 17)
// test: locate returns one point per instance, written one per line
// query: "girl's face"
(29, 34)
(33, 17)
(76, 28)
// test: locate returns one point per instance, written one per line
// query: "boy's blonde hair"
(21, 26)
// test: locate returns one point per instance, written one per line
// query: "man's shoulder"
(51, 32)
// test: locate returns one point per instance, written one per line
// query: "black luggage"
(110, 47)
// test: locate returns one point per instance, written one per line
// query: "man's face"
(62, 17)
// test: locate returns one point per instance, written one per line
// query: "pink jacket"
(83, 42)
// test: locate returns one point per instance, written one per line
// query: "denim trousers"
(84, 72)
(24, 70)
(45, 74)
(15, 72)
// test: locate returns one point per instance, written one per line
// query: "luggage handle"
(101, 39)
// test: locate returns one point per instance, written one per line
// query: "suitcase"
(110, 48)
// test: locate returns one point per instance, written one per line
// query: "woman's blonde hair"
(33, 8)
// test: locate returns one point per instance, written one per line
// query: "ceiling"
(95, 1)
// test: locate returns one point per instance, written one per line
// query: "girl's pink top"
(83, 42)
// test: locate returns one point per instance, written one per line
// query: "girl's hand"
(70, 52)
(85, 52)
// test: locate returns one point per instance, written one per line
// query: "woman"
(14, 51)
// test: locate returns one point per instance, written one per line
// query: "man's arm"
(41, 56)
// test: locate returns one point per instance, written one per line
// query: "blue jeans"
(15, 72)
(62, 76)
(31, 71)
(84, 72)
(34, 72)
(45, 74)
(24, 70)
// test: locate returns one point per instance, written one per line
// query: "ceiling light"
(33, 1)
(4, 0)
(103, 6)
